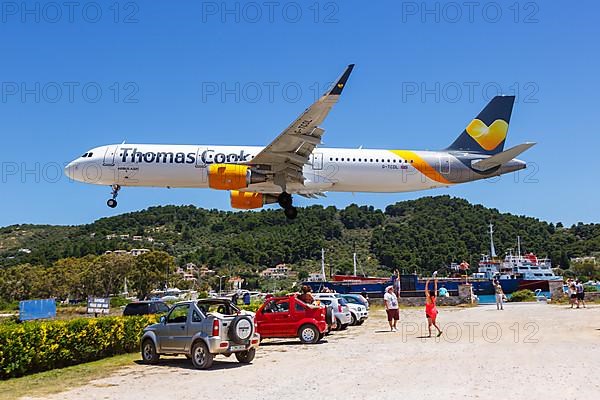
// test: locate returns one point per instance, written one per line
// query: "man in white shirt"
(391, 307)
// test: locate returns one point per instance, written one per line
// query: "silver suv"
(200, 335)
(341, 311)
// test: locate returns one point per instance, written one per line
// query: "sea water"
(491, 298)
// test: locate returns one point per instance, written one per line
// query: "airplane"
(294, 163)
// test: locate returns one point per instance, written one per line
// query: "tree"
(150, 271)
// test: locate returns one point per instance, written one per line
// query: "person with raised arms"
(431, 310)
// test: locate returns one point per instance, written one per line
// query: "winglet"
(339, 85)
(500, 158)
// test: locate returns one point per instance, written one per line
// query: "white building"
(316, 277)
(279, 271)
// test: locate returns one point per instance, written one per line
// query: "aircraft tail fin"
(486, 133)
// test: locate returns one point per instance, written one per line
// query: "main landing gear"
(285, 201)
(112, 203)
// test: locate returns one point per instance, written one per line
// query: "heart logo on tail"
(488, 137)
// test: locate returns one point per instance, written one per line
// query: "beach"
(528, 350)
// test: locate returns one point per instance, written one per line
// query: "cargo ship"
(514, 272)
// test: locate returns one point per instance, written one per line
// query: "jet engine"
(250, 200)
(232, 176)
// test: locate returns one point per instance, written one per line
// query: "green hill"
(420, 234)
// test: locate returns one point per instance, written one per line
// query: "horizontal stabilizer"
(501, 158)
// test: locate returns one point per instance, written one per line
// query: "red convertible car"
(286, 317)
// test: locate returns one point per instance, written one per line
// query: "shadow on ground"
(267, 343)
(220, 363)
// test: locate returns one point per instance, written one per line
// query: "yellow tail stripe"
(421, 165)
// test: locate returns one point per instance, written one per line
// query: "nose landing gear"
(112, 203)
(285, 201)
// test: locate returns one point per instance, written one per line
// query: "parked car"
(341, 311)
(356, 299)
(146, 307)
(286, 317)
(200, 335)
(358, 311)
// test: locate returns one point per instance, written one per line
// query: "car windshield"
(343, 302)
(352, 300)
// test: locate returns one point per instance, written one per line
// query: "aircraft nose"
(70, 169)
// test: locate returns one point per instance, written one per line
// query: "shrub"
(522, 295)
(590, 289)
(118, 301)
(253, 306)
(37, 346)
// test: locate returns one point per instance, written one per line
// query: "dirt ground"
(527, 350)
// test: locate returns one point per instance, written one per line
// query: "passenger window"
(284, 306)
(299, 308)
(196, 317)
(179, 314)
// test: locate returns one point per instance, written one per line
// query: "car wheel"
(321, 336)
(354, 321)
(308, 334)
(246, 357)
(338, 325)
(201, 357)
(149, 355)
(362, 321)
(344, 327)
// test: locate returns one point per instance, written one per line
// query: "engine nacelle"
(232, 176)
(250, 200)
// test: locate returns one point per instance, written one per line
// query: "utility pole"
(220, 277)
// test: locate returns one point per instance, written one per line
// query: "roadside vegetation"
(522, 295)
(37, 346)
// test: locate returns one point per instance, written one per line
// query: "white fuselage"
(185, 166)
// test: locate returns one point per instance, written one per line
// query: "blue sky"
(240, 72)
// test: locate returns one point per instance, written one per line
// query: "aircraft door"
(317, 161)
(200, 157)
(110, 155)
(444, 164)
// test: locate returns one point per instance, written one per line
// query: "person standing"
(580, 292)
(391, 307)
(572, 292)
(499, 295)
(431, 310)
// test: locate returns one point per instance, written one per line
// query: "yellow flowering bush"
(37, 346)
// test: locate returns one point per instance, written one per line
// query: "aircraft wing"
(285, 156)
(500, 158)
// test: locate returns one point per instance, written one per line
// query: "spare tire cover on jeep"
(241, 329)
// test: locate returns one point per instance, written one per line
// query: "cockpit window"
(90, 154)
(86, 155)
